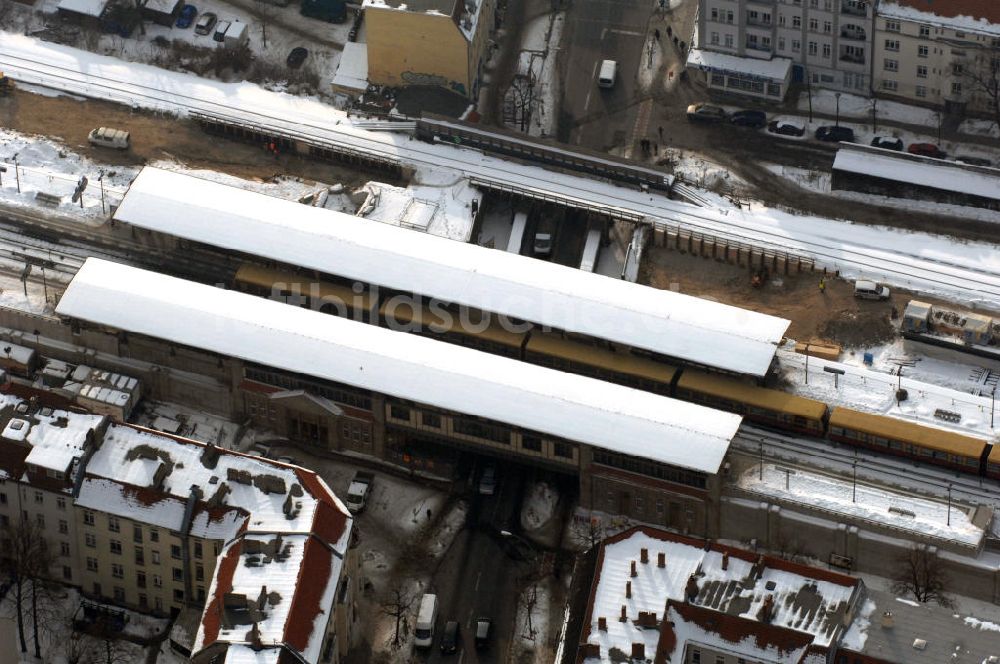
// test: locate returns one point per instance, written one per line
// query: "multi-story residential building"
(158, 523)
(442, 43)
(770, 43)
(933, 53)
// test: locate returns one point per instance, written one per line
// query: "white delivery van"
(426, 617)
(237, 34)
(870, 290)
(106, 137)
(606, 77)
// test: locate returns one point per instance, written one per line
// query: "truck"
(357, 492)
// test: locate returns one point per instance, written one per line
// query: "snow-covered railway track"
(867, 256)
(903, 473)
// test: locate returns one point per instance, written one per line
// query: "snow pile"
(984, 625)
(539, 506)
(896, 511)
(857, 634)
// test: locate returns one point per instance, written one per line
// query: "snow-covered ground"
(906, 514)
(538, 61)
(539, 506)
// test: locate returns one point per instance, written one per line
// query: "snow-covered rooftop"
(982, 16)
(808, 601)
(352, 72)
(775, 69)
(921, 171)
(673, 324)
(406, 366)
(86, 7)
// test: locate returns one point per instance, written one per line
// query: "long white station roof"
(407, 366)
(676, 325)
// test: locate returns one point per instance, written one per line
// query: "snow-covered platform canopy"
(674, 325)
(775, 69)
(406, 366)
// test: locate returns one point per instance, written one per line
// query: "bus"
(591, 250)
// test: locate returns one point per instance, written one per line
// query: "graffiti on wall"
(414, 78)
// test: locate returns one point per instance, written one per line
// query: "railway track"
(899, 268)
(872, 467)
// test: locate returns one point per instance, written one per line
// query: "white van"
(106, 137)
(426, 617)
(869, 290)
(606, 78)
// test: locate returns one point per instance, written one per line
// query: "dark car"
(451, 638)
(753, 119)
(785, 128)
(296, 57)
(186, 17)
(484, 629)
(888, 143)
(205, 24)
(835, 134)
(926, 150)
(705, 113)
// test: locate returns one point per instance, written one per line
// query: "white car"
(488, 481)
(106, 137)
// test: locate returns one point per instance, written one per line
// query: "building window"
(812, 48)
(925, 31)
(197, 549)
(922, 51)
(796, 21)
(827, 27)
(63, 527)
(890, 65)
(116, 547)
(158, 603)
(88, 517)
(140, 579)
(154, 535)
(91, 564)
(729, 16)
(957, 69)
(90, 540)
(113, 524)
(140, 558)
(892, 26)
(39, 497)
(143, 601)
(956, 89)
(921, 71)
(921, 91)
(155, 555)
(531, 443)
(562, 450)
(178, 595)
(119, 593)
(781, 20)
(696, 656)
(892, 45)
(715, 14)
(178, 575)
(399, 412)
(40, 520)
(781, 43)
(137, 534)
(889, 84)
(201, 594)
(67, 573)
(433, 419)
(61, 503)
(826, 50)
(199, 573)
(729, 41)
(64, 549)
(157, 581)
(481, 429)
(796, 46)
(175, 551)
(117, 571)
(813, 25)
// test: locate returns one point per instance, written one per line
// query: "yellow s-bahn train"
(763, 406)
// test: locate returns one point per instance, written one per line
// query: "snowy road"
(964, 272)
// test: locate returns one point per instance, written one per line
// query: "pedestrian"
(656, 33)
(659, 130)
(656, 148)
(428, 515)
(822, 286)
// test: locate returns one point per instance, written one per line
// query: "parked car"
(488, 481)
(220, 31)
(974, 161)
(926, 150)
(484, 629)
(785, 128)
(705, 113)
(870, 290)
(106, 137)
(186, 17)
(205, 23)
(357, 492)
(451, 637)
(831, 134)
(753, 119)
(296, 57)
(888, 143)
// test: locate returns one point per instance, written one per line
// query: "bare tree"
(396, 604)
(589, 534)
(527, 601)
(85, 649)
(517, 102)
(982, 76)
(28, 562)
(921, 574)
(266, 11)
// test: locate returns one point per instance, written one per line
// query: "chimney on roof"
(624, 616)
(589, 650)
(691, 589)
(725, 560)
(887, 620)
(628, 589)
(210, 456)
(255, 642)
(638, 651)
(644, 555)
(262, 598)
(661, 560)
(647, 619)
(766, 612)
(602, 624)
(632, 569)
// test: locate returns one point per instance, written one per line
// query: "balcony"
(759, 22)
(853, 58)
(853, 32)
(854, 7)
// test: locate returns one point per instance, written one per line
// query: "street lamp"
(506, 534)
(837, 96)
(949, 504)
(875, 114)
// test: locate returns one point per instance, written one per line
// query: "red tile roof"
(314, 575)
(211, 619)
(988, 10)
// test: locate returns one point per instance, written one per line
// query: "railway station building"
(338, 386)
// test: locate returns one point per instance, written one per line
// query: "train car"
(992, 468)
(757, 404)
(551, 350)
(908, 439)
(305, 291)
(420, 319)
